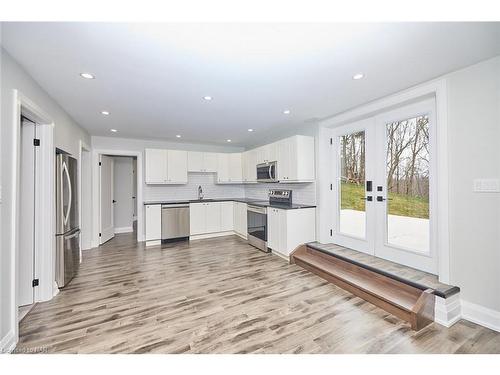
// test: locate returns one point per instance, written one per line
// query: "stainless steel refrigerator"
(67, 229)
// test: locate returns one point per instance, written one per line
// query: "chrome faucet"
(200, 192)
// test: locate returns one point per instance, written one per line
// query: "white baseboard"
(447, 311)
(282, 256)
(153, 243)
(124, 230)
(211, 235)
(481, 315)
(8, 342)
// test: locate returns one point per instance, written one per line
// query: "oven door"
(257, 222)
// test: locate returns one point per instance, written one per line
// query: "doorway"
(118, 209)
(385, 178)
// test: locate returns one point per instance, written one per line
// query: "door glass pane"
(352, 184)
(408, 183)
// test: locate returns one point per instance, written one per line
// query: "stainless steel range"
(257, 227)
(257, 217)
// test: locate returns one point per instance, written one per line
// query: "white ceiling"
(152, 77)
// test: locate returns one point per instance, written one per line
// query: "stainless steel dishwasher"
(174, 222)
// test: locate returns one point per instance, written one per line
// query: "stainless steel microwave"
(267, 172)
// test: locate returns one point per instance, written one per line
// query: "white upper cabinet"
(202, 161)
(166, 166)
(295, 157)
(229, 169)
(210, 162)
(195, 161)
(249, 166)
(267, 153)
(156, 166)
(177, 167)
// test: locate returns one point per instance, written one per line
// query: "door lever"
(381, 199)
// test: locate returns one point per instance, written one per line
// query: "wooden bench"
(406, 301)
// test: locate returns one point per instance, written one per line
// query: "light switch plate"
(486, 185)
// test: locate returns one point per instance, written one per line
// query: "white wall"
(474, 149)
(123, 186)
(67, 136)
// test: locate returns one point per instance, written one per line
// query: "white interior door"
(353, 148)
(107, 230)
(26, 254)
(385, 185)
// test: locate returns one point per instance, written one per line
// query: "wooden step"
(407, 302)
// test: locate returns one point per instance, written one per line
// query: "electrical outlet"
(486, 185)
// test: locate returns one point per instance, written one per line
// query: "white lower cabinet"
(153, 222)
(240, 218)
(210, 217)
(287, 229)
(213, 217)
(227, 216)
(197, 218)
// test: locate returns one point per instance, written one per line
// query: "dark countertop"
(255, 202)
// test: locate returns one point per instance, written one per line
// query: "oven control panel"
(279, 196)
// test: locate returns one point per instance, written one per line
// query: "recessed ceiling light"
(178, 135)
(113, 130)
(207, 97)
(87, 75)
(358, 76)
(228, 140)
(286, 111)
(105, 113)
(250, 130)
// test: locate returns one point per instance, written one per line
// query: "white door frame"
(96, 182)
(436, 88)
(83, 147)
(44, 203)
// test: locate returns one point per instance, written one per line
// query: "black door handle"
(114, 201)
(381, 199)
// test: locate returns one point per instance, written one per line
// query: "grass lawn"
(400, 204)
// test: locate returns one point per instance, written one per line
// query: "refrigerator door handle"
(72, 235)
(66, 217)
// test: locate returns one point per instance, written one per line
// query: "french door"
(384, 169)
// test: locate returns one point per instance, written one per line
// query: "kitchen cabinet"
(202, 161)
(177, 167)
(229, 168)
(249, 166)
(213, 217)
(156, 166)
(288, 229)
(267, 153)
(210, 217)
(295, 157)
(197, 218)
(240, 218)
(165, 166)
(227, 216)
(153, 222)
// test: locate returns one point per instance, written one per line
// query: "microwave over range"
(267, 172)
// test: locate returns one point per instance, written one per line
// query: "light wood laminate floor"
(221, 296)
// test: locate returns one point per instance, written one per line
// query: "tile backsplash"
(303, 193)
(190, 190)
